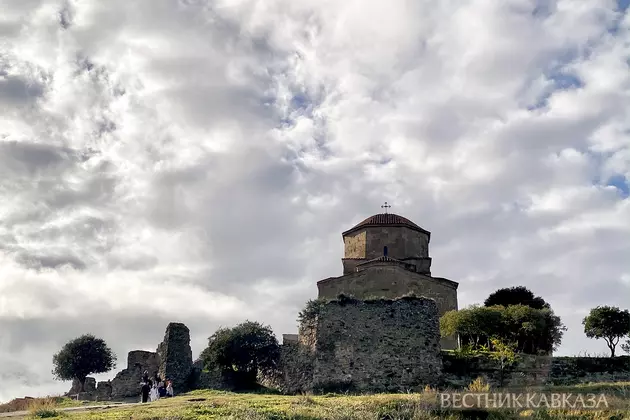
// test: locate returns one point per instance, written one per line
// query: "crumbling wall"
(365, 346)
(126, 384)
(172, 360)
(205, 379)
(530, 370)
(295, 368)
(377, 346)
(175, 355)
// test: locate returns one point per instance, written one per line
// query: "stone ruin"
(172, 359)
(380, 345)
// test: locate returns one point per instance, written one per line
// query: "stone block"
(104, 391)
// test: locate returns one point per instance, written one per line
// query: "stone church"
(375, 328)
(387, 255)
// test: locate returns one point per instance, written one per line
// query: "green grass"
(208, 404)
(23, 404)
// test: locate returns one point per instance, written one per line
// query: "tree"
(242, 352)
(518, 295)
(626, 346)
(609, 323)
(474, 325)
(504, 354)
(533, 331)
(81, 357)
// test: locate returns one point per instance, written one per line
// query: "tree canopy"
(83, 356)
(242, 352)
(518, 295)
(534, 331)
(609, 323)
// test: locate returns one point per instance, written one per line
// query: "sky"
(196, 161)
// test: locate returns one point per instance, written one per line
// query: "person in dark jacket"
(145, 385)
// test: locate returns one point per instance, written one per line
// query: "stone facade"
(372, 346)
(387, 256)
(401, 243)
(391, 281)
(530, 370)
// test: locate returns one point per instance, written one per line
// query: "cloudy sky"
(197, 160)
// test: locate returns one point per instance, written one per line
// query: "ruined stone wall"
(401, 242)
(126, 384)
(373, 346)
(205, 379)
(530, 370)
(175, 354)
(173, 360)
(390, 282)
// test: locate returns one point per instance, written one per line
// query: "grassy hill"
(225, 405)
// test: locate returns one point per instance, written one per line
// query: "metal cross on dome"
(386, 206)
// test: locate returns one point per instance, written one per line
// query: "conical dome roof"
(386, 219)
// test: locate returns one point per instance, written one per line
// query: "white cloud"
(196, 161)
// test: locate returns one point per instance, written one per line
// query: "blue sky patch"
(621, 183)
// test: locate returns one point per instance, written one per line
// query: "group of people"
(156, 388)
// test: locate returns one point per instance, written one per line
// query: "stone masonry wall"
(172, 360)
(176, 362)
(354, 245)
(532, 370)
(392, 282)
(126, 384)
(373, 346)
(401, 242)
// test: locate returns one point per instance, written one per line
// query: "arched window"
(385, 251)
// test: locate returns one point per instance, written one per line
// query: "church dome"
(386, 219)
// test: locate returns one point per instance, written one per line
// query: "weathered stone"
(75, 388)
(203, 379)
(391, 281)
(529, 370)
(85, 396)
(175, 355)
(371, 346)
(289, 338)
(126, 384)
(89, 386)
(388, 256)
(103, 391)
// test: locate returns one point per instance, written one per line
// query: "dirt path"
(20, 414)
